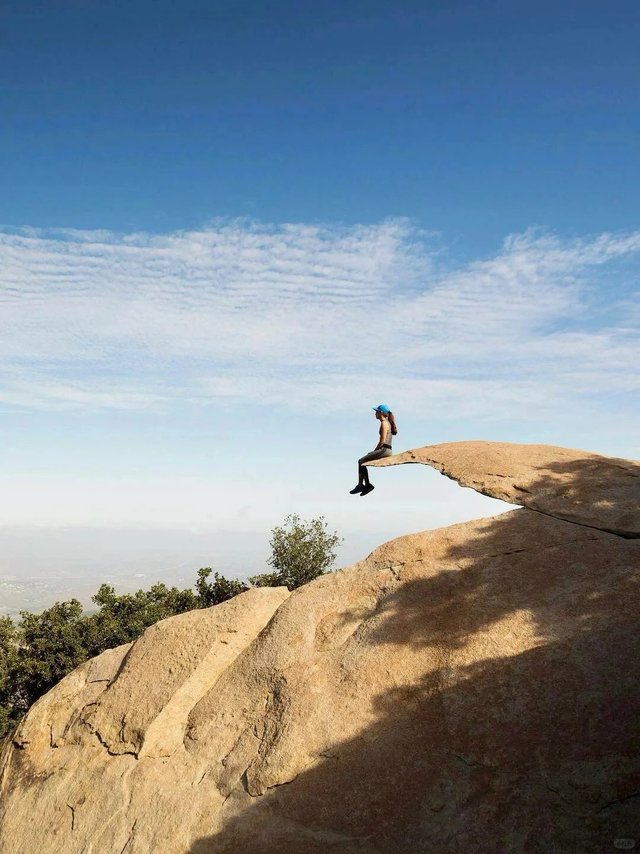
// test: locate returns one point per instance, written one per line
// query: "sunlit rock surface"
(589, 489)
(472, 688)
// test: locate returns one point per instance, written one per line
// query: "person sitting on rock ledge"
(382, 449)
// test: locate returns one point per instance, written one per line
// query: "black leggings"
(373, 455)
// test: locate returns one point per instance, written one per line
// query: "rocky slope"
(472, 688)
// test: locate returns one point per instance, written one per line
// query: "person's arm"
(381, 439)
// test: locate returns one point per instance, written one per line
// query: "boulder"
(472, 688)
(588, 489)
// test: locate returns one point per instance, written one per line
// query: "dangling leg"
(363, 477)
(364, 484)
(360, 485)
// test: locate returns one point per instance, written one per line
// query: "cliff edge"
(471, 688)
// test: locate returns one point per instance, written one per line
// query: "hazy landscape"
(39, 567)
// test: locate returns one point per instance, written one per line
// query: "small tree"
(219, 591)
(48, 646)
(8, 713)
(122, 618)
(300, 552)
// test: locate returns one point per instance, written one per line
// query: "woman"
(382, 449)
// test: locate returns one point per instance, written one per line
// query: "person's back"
(387, 433)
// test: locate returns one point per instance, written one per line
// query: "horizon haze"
(227, 231)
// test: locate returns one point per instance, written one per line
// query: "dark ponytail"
(394, 429)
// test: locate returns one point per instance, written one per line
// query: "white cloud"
(309, 316)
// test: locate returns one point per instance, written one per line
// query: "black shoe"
(355, 490)
(367, 489)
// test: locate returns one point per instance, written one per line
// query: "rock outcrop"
(472, 688)
(581, 487)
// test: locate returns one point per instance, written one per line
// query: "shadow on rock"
(522, 737)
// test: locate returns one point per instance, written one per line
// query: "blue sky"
(477, 119)
(228, 229)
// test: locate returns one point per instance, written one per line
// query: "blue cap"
(382, 407)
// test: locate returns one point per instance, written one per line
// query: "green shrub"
(300, 552)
